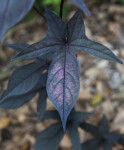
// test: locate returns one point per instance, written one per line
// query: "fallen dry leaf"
(4, 122)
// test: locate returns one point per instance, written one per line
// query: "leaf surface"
(79, 42)
(113, 137)
(11, 12)
(24, 80)
(45, 47)
(51, 43)
(91, 144)
(57, 28)
(61, 43)
(90, 128)
(51, 115)
(74, 135)
(103, 138)
(78, 117)
(17, 47)
(82, 5)
(17, 101)
(41, 104)
(63, 82)
(107, 146)
(104, 127)
(50, 138)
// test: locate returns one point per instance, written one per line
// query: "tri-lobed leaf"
(103, 138)
(54, 133)
(50, 138)
(61, 43)
(11, 12)
(71, 34)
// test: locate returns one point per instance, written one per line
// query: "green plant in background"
(54, 4)
(100, 2)
(120, 1)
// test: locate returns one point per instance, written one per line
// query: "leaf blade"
(18, 47)
(56, 26)
(63, 83)
(49, 138)
(81, 5)
(17, 101)
(75, 26)
(95, 49)
(43, 49)
(12, 12)
(24, 79)
(41, 104)
(74, 135)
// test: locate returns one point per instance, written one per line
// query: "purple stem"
(61, 8)
(40, 13)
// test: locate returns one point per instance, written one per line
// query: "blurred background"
(102, 82)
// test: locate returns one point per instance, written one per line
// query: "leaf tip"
(120, 62)
(63, 120)
(64, 124)
(46, 9)
(88, 12)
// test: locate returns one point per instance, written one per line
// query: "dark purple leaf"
(17, 47)
(107, 146)
(48, 115)
(103, 138)
(13, 102)
(44, 49)
(62, 41)
(51, 115)
(121, 141)
(50, 138)
(104, 127)
(76, 28)
(11, 12)
(90, 128)
(79, 42)
(24, 79)
(72, 34)
(91, 144)
(82, 5)
(17, 101)
(63, 82)
(74, 135)
(57, 28)
(78, 117)
(113, 137)
(41, 104)
(50, 44)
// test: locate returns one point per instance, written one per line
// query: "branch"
(61, 8)
(40, 13)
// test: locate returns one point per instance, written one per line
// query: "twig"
(40, 13)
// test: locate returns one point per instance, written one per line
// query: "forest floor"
(102, 82)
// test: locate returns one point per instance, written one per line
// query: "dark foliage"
(81, 5)
(12, 12)
(55, 71)
(63, 40)
(103, 138)
(53, 134)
